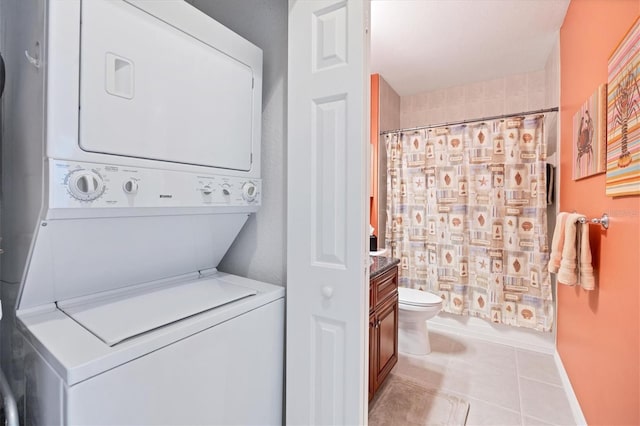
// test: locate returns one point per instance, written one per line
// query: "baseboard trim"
(578, 416)
(477, 328)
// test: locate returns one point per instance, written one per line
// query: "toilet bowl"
(415, 308)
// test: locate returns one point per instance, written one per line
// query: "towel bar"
(603, 221)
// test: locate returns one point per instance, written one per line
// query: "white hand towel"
(568, 272)
(557, 243)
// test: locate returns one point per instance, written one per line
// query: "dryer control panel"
(82, 185)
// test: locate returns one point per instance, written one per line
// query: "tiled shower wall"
(552, 98)
(389, 119)
(552, 76)
(512, 94)
(389, 107)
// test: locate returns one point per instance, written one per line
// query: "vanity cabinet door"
(383, 328)
(387, 339)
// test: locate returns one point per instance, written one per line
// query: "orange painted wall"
(375, 119)
(599, 331)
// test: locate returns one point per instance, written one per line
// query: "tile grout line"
(519, 389)
(533, 379)
(493, 402)
(484, 401)
(521, 377)
(540, 420)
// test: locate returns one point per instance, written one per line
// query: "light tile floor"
(504, 385)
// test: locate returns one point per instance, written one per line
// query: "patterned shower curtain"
(466, 216)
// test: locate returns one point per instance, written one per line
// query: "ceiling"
(423, 45)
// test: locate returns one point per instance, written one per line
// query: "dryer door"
(149, 89)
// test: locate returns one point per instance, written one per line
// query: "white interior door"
(327, 262)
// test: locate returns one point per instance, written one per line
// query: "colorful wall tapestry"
(623, 116)
(466, 216)
(590, 135)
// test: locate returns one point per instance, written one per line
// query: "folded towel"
(557, 243)
(568, 272)
(571, 253)
(586, 279)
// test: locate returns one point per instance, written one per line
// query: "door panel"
(386, 285)
(327, 306)
(387, 338)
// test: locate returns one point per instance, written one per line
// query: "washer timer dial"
(85, 185)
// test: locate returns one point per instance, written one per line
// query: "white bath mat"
(401, 401)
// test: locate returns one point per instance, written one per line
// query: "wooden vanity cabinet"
(383, 327)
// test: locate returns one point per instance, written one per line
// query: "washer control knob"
(207, 190)
(226, 190)
(249, 191)
(85, 185)
(130, 186)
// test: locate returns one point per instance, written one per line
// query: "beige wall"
(389, 117)
(552, 98)
(552, 76)
(512, 94)
(389, 107)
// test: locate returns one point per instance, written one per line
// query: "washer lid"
(411, 296)
(132, 313)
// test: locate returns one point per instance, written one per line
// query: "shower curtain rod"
(454, 123)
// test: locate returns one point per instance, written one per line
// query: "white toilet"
(415, 308)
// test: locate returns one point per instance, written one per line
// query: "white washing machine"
(146, 168)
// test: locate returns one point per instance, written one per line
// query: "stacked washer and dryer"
(143, 119)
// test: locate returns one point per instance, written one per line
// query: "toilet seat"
(413, 297)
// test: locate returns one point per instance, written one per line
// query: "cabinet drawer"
(385, 286)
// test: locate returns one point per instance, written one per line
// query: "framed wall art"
(590, 135)
(623, 116)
